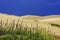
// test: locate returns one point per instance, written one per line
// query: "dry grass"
(18, 32)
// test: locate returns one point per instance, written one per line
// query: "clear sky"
(30, 7)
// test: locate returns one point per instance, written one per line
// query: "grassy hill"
(29, 27)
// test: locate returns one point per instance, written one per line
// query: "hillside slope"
(43, 22)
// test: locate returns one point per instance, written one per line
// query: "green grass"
(23, 33)
(57, 25)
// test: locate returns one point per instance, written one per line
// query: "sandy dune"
(43, 22)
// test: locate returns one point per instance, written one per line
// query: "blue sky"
(30, 7)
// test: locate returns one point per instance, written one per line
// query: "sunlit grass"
(23, 33)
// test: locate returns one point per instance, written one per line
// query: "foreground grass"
(23, 33)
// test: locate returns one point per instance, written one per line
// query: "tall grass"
(18, 32)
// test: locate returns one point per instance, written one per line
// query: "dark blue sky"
(30, 7)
